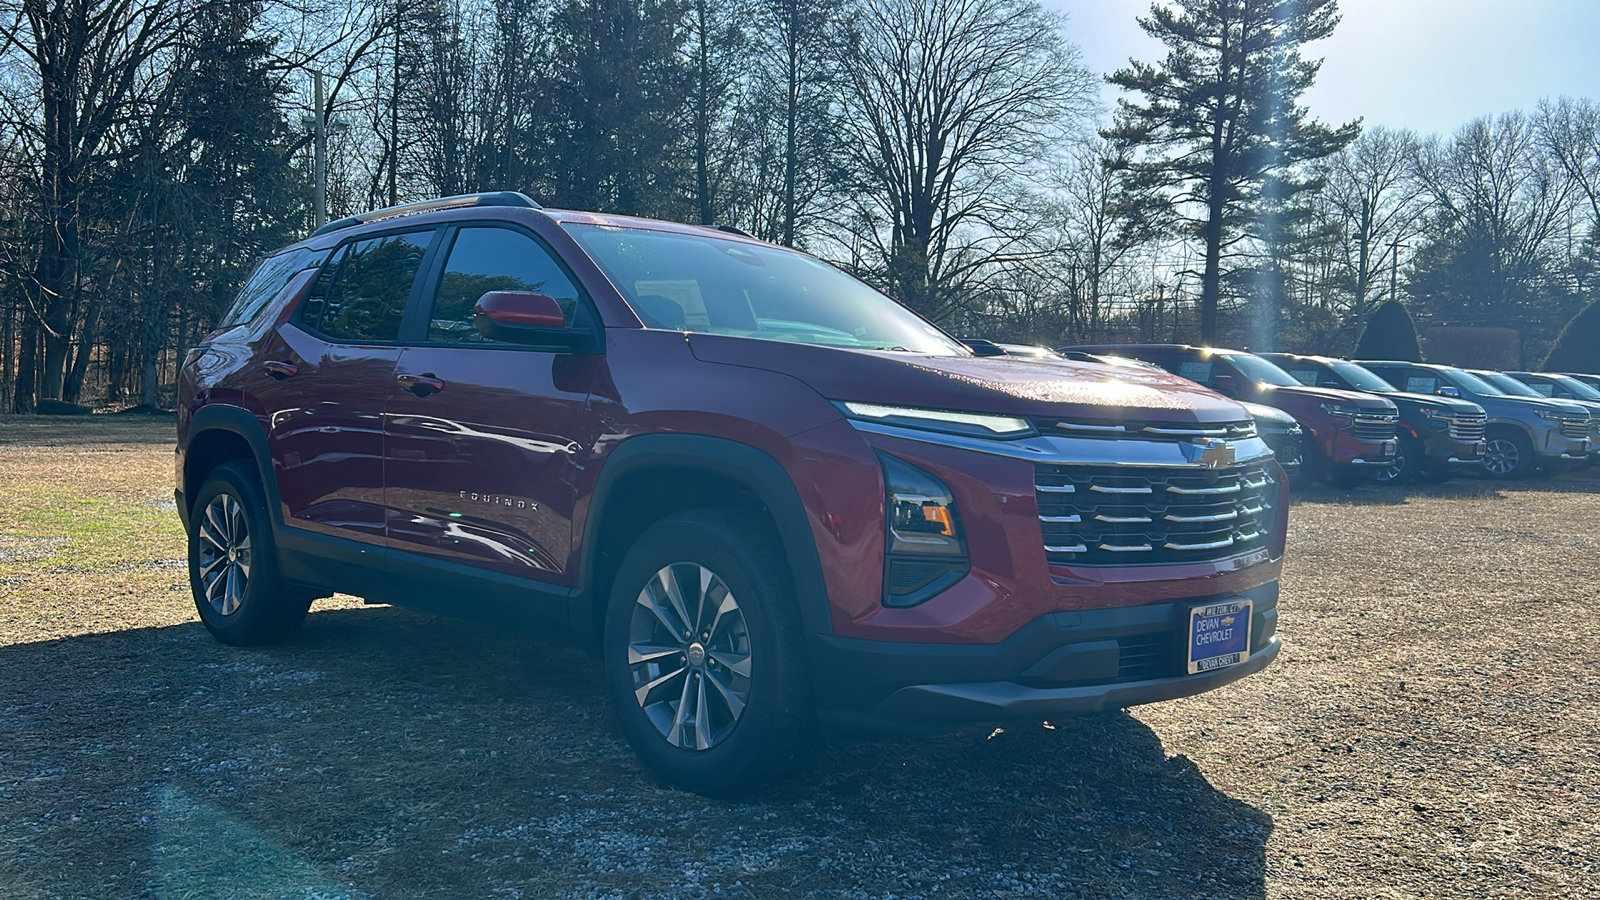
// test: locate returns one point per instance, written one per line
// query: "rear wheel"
(1509, 455)
(233, 563)
(705, 656)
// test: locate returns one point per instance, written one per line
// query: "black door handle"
(421, 385)
(280, 370)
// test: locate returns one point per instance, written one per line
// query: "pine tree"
(1220, 127)
(1390, 334)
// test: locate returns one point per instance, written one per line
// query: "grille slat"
(1574, 427)
(1468, 427)
(1374, 427)
(1112, 516)
(1153, 431)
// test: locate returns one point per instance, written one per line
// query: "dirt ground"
(1431, 730)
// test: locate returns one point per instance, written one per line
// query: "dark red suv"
(769, 497)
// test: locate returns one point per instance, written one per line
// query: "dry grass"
(1431, 731)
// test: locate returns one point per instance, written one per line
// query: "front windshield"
(1579, 389)
(1361, 378)
(1259, 370)
(1509, 385)
(692, 282)
(1471, 383)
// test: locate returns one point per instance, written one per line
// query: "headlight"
(925, 551)
(1438, 415)
(974, 424)
(1554, 415)
(1339, 410)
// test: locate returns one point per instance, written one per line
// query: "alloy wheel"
(224, 553)
(1396, 470)
(689, 653)
(1502, 457)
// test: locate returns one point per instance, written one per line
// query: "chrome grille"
(1106, 516)
(1374, 426)
(1468, 427)
(1575, 428)
(1148, 431)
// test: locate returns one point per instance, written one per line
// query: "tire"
(1407, 463)
(1509, 455)
(233, 563)
(695, 719)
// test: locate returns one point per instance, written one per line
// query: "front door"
(324, 380)
(484, 438)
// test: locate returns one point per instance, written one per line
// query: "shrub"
(1577, 347)
(1390, 334)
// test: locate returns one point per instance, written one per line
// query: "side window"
(363, 292)
(1196, 370)
(493, 259)
(270, 277)
(1422, 384)
(1547, 389)
(1306, 377)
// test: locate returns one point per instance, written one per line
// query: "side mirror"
(1448, 391)
(522, 317)
(1225, 385)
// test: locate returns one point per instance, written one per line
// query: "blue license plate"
(1219, 635)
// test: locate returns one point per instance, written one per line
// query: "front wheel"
(705, 656)
(233, 563)
(1407, 460)
(1509, 455)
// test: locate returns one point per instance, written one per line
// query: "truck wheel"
(1407, 460)
(233, 563)
(1509, 455)
(705, 655)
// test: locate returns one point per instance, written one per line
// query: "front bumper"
(1349, 450)
(1440, 449)
(1558, 448)
(1062, 663)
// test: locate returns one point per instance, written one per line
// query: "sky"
(1428, 65)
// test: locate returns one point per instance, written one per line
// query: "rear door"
(324, 378)
(485, 438)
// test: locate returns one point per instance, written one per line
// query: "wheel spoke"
(733, 701)
(702, 731)
(647, 599)
(645, 691)
(728, 605)
(675, 735)
(669, 584)
(737, 663)
(216, 518)
(643, 653)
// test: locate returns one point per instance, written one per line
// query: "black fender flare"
(240, 421)
(726, 458)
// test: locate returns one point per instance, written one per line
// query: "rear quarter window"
(270, 277)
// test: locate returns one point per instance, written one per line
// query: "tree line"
(954, 153)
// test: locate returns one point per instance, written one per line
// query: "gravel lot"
(1431, 730)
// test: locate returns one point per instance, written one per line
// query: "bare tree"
(947, 107)
(1570, 130)
(1375, 202)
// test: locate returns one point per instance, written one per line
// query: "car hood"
(1566, 406)
(1262, 412)
(1309, 396)
(1455, 405)
(1012, 386)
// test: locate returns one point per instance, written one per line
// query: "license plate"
(1219, 636)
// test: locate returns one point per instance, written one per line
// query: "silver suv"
(1526, 435)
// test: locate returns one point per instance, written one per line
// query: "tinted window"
(270, 277)
(365, 295)
(1361, 378)
(1577, 389)
(1544, 389)
(493, 259)
(1260, 371)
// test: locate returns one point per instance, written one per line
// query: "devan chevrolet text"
(774, 502)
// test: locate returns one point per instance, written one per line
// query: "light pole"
(320, 126)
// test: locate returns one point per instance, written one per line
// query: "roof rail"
(730, 229)
(493, 198)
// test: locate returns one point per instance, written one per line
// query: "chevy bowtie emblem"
(1212, 454)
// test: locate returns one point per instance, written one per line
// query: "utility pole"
(319, 125)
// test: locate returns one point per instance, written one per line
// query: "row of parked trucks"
(1389, 421)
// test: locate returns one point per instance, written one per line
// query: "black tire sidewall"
(774, 733)
(266, 612)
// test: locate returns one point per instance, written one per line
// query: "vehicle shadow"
(386, 753)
